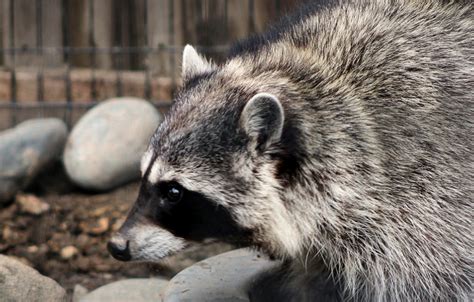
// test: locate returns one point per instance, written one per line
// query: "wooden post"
(77, 30)
(20, 31)
(238, 18)
(265, 13)
(121, 32)
(102, 32)
(31, 27)
(92, 23)
(138, 33)
(177, 36)
(207, 26)
(52, 32)
(2, 33)
(159, 19)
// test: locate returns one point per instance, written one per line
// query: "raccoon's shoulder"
(277, 31)
(327, 14)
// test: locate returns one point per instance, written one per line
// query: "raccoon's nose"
(119, 249)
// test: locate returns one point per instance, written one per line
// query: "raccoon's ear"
(193, 63)
(262, 119)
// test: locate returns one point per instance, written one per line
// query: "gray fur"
(371, 180)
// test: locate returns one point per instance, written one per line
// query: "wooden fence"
(74, 53)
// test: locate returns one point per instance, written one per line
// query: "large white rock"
(25, 150)
(136, 290)
(19, 282)
(225, 277)
(105, 146)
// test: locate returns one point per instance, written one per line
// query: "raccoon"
(340, 142)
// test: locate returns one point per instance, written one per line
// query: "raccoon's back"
(410, 67)
(420, 94)
(403, 71)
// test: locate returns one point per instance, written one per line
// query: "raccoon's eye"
(174, 192)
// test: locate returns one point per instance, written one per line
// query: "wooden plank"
(5, 30)
(238, 17)
(103, 32)
(177, 38)
(121, 33)
(208, 26)
(52, 32)
(91, 27)
(22, 25)
(265, 13)
(287, 6)
(27, 22)
(137, 32)
(2, 34)
(203, 23)
(129, 33)
(159, 19)
(77, 30)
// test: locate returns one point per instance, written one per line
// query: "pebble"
(31, 204)
(96, 227)
(32, 249)
(7, 233)
(99, 211)
(82, 241)
(68, 252)
(118, 224)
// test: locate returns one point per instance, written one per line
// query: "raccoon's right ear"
(262, 120)
(193, 63)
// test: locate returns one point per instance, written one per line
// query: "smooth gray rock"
(19, 282)
(137, 290)
(105, 146)
(25, 150)
(78, 292)
(222, 278)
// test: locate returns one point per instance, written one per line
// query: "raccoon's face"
(209, 172)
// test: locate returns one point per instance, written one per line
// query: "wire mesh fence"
(60, 57)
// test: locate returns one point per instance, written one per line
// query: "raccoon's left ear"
(193, 63)
(262, 119)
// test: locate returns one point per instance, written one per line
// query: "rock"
(118, 224)
(13, 236)
(83, 264)
(25, 150)
(79, 292)
(31, 204)
(97, 227)
(225, 277)
(22, 260)
(19, 282)
(100, 211)
(82, 241)
(7, 233)
(105, 147)
(137, 290)
(32, 249)
(195, 253)
(68, 252)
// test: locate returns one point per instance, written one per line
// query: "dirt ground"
(68, 241)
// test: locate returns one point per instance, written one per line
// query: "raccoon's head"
(210, 171)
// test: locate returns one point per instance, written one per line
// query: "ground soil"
(85, 221)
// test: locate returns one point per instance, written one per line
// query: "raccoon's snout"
(119, 248)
